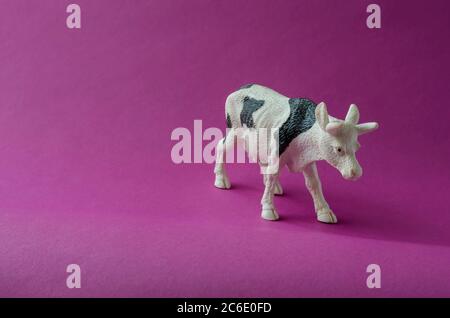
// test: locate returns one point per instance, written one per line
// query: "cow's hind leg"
(225, 144)
(268, 208)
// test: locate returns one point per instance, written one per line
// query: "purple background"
(86, 175)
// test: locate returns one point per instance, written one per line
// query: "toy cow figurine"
(306, 134)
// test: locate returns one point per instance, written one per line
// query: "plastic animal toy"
(306, 134)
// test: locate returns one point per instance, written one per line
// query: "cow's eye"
(339, 150)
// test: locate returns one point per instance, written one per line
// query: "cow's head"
(338, 141)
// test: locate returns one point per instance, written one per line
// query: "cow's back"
(256, 106)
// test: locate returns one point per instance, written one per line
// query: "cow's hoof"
(278, 190)
(269, 214)
(326, 216)
(222, 182)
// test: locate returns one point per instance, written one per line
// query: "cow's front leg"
(277, 190)
(268, 208)
(324, 213)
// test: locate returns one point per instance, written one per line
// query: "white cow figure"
(306, 134)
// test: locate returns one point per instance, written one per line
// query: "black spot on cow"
(301, 118)
(251, 105)
(246, 86)
(228, 121)
(229, 125)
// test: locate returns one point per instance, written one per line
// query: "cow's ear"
(322, 115)
(366, 128)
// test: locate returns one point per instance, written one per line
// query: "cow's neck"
(305, 149)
